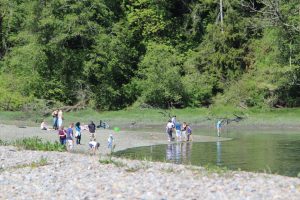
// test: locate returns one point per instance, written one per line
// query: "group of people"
(57, 116)
(66, 137)
(73, 133)
(183, 131)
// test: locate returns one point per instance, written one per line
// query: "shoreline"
(122, 139)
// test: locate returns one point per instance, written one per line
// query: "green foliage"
(36, 143)
(160, 80)
(111, 54)
(213, 169)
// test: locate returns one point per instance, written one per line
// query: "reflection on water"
(273, 153)
(219, 151)
(179, 152)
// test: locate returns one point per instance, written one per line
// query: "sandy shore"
(123, 139)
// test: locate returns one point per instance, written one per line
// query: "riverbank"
(53, 175)
(123, 139)
(202, 118)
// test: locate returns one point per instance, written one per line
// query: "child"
(189, 133)
(110, 141)
(44, 125)
(183, 131)
(94, 146)
(69, 137)
(62, 135)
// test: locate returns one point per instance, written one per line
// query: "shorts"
(92, 136)
(70, 143)
(183, 133)
(178, 133)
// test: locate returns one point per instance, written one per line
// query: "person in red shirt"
(62, 135)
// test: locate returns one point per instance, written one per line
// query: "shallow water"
(271, 152)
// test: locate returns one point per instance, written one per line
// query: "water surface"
(275, 152)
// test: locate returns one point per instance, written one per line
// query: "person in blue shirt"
(178, 131)
(69, 137)
(77, 132)
(219, 126)
(110, 141)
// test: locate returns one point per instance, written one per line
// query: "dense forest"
(111, 54)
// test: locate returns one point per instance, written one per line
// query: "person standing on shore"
(78, 133)
(169, 130)
(92, 130)
(62, 135)
(60, 118)
(54, 116)
(110, 141)
(69, 137)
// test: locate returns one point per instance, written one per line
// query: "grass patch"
(35, 143)
(35, 164)
(42, 162)
(169, 169)
(211, 169)
(109, 160)
(145, 116)
(132, 169)
(3, 143)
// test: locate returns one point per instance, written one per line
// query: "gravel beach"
(79, 176)
(54, 175)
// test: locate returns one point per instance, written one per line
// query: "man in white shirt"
(169, 129)
(174, 120)
(94, 146)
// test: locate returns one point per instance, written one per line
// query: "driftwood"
(165, 114)
(79, 106)
(236, 119)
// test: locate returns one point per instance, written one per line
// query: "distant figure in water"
(183, 131)
(178, 131)
(189, 132)
(219, 127)
(169, 130)
(174, 120)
